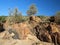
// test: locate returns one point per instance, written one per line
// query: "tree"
(58, 13)
(32, 10)
(17, 16)
(14, 16)
(57, 17)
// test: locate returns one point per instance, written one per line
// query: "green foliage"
(58, 13)
(43, 18)
(57, 17)
(2, 19)
(24, 18)
(32, 10)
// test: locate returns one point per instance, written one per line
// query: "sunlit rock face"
(22, 29)
(34, 20)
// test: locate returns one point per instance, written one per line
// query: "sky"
(44, 7)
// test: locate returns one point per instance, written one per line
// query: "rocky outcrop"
(27, 30)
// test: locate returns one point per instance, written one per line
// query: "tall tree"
(32, 10)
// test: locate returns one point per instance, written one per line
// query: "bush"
(2, 19)
(57, 18)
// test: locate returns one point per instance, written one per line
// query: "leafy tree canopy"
(32, 10)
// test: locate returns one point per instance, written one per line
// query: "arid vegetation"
(36, 29)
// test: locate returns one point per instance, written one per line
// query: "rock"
(34, 20)
(22, 30)
(6, 35)
(33, 38)
(21, 42)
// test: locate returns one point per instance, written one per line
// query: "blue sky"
(45, 7)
